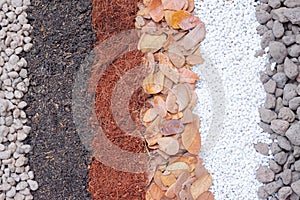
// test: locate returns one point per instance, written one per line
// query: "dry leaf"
(184, 20)
(153, 83)
(185, 192)
(171, 104)
(191, 161)
(159, 106)
(191, 139)
(197, 121)
(165, 67)
(152, 139)
(144, 12)
(155, 192)
(151, 43)
(171, 127)
(168, 179)
(156, 10)
(153, 128)
(146, 2)
(177, 116)
(168, 145)
(167, 85)
(201, 185)
(187, 75)
(191, 6)
(182, 93)
(206, 196)
(170, 193)
(149, 115)
(194, 59)
(193, 101)
(158, 181)
(168, 16)
(188, 116)
(180, 180)
(177, 17)
(176, 56)
(200, 170)
(178, 168)
(194, 37)
(173, 4)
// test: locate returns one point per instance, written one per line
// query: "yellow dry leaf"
(154, 83)
(191, 139)
(201, 185)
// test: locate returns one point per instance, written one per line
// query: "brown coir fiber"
(109, 18)
(113, 16)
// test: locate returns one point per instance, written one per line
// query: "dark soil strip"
(63, 37)
(112, 17)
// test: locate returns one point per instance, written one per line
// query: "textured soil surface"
(62, 37)
(110, 18)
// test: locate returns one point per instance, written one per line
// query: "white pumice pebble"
(14, 82)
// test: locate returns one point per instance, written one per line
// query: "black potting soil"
(62, 37)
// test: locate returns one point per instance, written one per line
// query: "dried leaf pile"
(170, 37)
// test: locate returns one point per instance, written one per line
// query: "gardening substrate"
(62, 37)
(110, 18)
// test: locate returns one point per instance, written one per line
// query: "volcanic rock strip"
(280, 30)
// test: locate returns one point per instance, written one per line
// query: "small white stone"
(33, 185)
(16, 3)
(27, 47)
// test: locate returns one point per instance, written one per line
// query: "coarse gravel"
(230, 94)
(17, 179)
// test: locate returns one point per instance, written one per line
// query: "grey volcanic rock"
(293, 134)
(278, 51)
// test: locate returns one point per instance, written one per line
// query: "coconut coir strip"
(108, 18)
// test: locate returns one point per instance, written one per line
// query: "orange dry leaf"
(206, 196)
(187, 76)
(184, 20)
(173, 4)
(168, 179)
(194, 59)
(182, 93)
(155, 192)
(171, 104)
(156, 10)
(201, 185)
(191, 139)
(159, 106)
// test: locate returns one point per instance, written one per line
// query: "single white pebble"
(22, 104)
(2, 34)
(27, 39)
(14, 59)
(18, 50)
(27, 47)
(11, 16)
(9, 51)
(16, 3)
(22, 19)
(33, 185)
(18, 10)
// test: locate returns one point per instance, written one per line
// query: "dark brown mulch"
(62, 36)
(109, 18)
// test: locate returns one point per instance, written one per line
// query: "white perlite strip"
(16, 178)
(229, 48)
